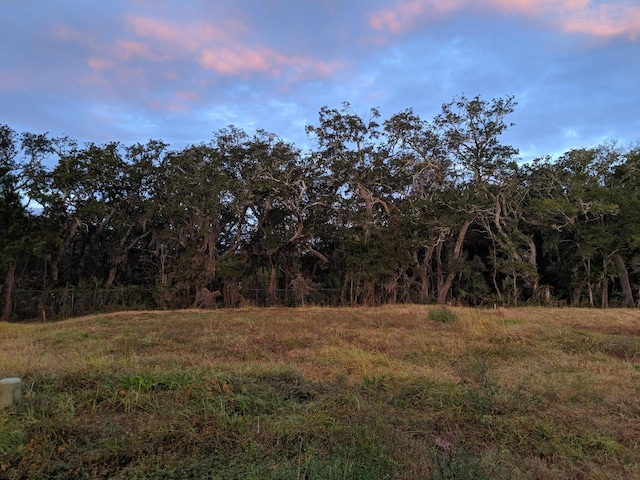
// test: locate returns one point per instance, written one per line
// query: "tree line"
(378, 211)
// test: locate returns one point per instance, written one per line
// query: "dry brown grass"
(542, 393)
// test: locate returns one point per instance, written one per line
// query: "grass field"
(398, 392)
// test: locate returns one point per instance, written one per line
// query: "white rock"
(10, 391)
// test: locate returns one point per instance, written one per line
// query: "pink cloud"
(403, 15)
(153, 51)
(582, 16)
(183, 37)
(242, 60)
(239, 60)
(206, 32)
(176, 103)
(222, 49)
(607, 21)
(154, 28)
(129, 49)
(186, 95)
(97, 63)
(620, 18)
(538, 7)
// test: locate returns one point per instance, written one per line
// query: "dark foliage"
(401, 210)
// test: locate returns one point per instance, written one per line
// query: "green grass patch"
(222, 425)
(442, 315)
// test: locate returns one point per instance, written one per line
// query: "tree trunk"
(575, 296)
(53, 267)
(9, 282)
(344, 291)
(273, 283)
(623, 274)
(604, 300)
(112, 276)
(533, 260)
(589, 284)
(445, 285)
(122, 257)
(425, 272)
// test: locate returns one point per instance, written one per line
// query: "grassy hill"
(403, 392)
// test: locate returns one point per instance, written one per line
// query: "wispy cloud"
(621, 18)
(241, 60)
(607, 20)
(170, 64)
(97, 63)
(180, 36)
(221, 49)
(217, 48)
(130, 49)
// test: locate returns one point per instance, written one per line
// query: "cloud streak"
(573, 16)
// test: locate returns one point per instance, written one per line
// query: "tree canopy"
(378, 211)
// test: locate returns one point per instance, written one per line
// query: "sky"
(180, 70)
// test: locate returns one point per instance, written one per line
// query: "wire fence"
(292, 297)
(69, 302)
(73, 302)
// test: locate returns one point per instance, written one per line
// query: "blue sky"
(179, 70)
